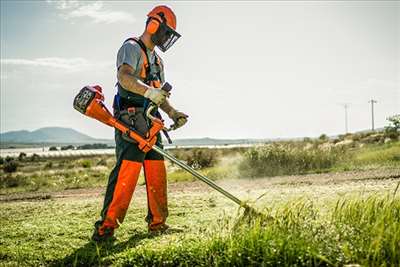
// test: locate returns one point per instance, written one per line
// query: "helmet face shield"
(165, 37)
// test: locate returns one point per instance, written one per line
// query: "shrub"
(374, 138)
(323, 137)
(86, 164)
(22, 156)
(7, 181)
(392, 131)
(69, 147)
(53, 148)
(198, 158)
(201, 158)
(356, 137)
(102, 162)
(35, 157)
(48, 165)
(10, 166)
(284, 159)
(1, 160)
(92, 146)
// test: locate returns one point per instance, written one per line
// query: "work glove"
(178, 117)
(157, 96)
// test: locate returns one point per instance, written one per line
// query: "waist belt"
(124, 107)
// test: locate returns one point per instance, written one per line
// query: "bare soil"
(236, 185)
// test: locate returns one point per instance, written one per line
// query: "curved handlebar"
(151, 117)
(167, 88)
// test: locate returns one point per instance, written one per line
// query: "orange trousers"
(122, 183)
(156, 187)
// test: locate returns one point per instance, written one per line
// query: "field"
(345, 210)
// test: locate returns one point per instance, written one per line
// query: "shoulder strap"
(142, 46)
(158, 59)
(148, 69)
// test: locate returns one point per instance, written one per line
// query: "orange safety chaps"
(122, 183)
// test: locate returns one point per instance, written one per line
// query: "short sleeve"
(129, 53)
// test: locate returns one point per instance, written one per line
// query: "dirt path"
(234, 185)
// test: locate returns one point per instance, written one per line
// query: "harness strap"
(147, 66)
(148, 72)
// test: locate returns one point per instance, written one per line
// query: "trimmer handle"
(167, 88)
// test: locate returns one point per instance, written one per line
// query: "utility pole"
(346, 121)
(372, 101)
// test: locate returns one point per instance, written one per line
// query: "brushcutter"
(89, 102)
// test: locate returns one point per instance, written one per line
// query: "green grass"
(285, 158)
(300, 235)
(333, 224)
(378, 154)
(56, 174)
(373, 156)
(290, 158)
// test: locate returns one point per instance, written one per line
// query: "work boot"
(102, 235)
(158, 229)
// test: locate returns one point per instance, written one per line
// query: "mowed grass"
(330, 223)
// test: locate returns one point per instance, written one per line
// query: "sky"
(254, 69)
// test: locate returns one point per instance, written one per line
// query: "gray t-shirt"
(131, 53)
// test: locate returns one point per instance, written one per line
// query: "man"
(140, 73)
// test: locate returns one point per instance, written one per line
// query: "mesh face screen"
(169, 42)
(165, 37)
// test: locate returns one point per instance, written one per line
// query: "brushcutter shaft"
(89, 102)
(199, 176)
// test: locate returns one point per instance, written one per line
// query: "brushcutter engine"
(85, 97)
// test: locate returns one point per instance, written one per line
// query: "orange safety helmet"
(154, 13)
(161, 24)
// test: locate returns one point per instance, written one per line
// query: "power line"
(372, 101)
(346, 121)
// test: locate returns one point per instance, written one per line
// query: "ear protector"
(152, 26)
(154, 23)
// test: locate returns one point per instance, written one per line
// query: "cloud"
(64, 4)
(71, 9)
(69, 64)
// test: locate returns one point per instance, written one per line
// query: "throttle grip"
(166, 87)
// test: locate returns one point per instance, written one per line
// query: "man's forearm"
(166, 107)
(132, 84)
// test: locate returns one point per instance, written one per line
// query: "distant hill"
(63, 136)
(59, 136)
(47, 135)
